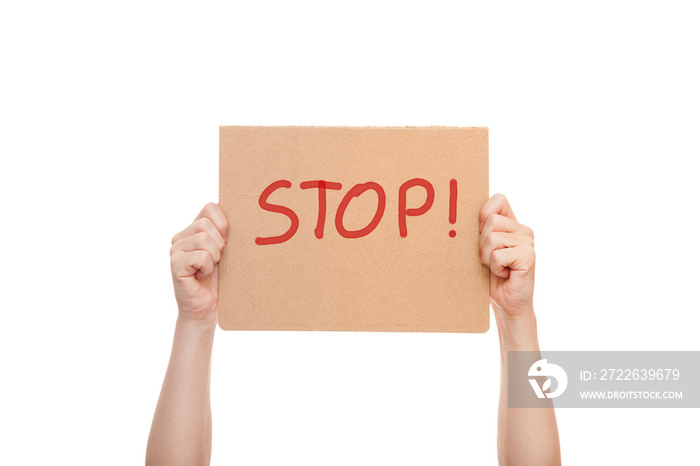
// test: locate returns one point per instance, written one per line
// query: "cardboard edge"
(219, 317)
(488, 196)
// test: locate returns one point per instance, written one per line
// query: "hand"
(508, 249)
(194, 263)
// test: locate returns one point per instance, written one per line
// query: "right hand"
(194, 263)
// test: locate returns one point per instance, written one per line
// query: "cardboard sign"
(345, 228)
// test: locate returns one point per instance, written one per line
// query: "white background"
(109, 145)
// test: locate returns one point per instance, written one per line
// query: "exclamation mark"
(453, 206)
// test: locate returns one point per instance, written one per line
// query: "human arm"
(181, 428)
(526, 436)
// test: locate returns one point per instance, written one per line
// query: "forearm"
(181, 429)
(526, 436)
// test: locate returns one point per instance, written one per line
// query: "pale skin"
(181, 429)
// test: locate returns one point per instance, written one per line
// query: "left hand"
(194, 263)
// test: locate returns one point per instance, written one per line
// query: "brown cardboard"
(427, 281)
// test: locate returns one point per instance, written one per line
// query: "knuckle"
(525, 239)
(501, 201)
(208, 208)
(203, 224)
(490, 221)
(487, 257)
(200, 239)
(209, 259)
(530, 254)
(490, 239)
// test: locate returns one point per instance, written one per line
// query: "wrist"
(198, 329)
(518, 333)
